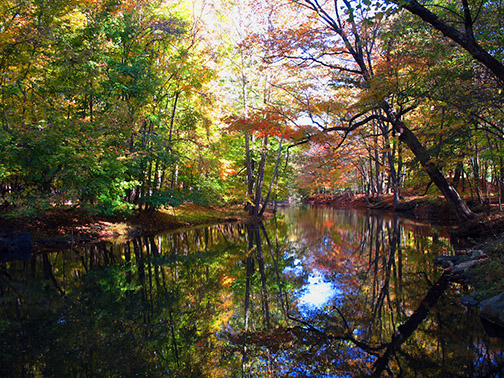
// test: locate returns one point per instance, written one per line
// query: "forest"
(116, 106)
(142, 142)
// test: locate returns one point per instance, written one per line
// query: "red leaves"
(263, 124)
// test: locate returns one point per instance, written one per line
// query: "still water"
(316, 292)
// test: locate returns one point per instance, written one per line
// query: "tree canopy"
(134, 105)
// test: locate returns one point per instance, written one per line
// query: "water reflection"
(315, 292)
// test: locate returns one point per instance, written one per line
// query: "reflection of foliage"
(222, 300)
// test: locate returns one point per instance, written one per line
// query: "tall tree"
(353, 53)
(99, 100)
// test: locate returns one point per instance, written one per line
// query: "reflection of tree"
(217, 301)
(407, 328)
(383, 352)
(257, 333)
(385, 275)
(146, 307)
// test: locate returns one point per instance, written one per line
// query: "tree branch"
(466, 41)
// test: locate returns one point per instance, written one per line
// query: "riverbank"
(488, 223)
(61, 228)
(433, 209)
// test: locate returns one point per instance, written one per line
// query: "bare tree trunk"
(275, 173)
(250, 176)
(390, 161)
(377, 169)
(371, 190)
(458, 174)
(501, 187)
(260, 179)
(476, 174)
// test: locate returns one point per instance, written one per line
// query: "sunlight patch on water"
(317, 292)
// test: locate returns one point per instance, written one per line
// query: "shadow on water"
(314, 292)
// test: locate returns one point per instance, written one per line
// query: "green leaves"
(86, 105)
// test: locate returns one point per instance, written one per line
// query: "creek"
(314, 292)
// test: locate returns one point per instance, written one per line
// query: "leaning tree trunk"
(458, 206)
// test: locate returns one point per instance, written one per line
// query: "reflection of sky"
(317, 292)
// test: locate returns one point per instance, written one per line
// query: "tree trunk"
(250, 178)
(458, 174)
(476, 174)
(260, 180)
(390, 161)
(465, 40)
(275, 173)
(458, 206)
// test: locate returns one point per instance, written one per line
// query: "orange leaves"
(263, 124)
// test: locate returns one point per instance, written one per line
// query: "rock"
(464, 266)
(469, 301)
(478, 254)
(493, 309)
(460, 264)
(446, 261)
(460, 261)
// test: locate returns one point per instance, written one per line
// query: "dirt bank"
(61, 228)
(433, 209)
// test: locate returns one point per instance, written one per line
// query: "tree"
(354, 55)
(466, 13)
(257, 110)
(102, 105)
(457, 101)
(269, 129)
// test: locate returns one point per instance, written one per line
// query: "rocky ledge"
(459, 265)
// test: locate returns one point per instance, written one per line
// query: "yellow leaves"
(16, 27)
(227, 169)
(74, 20)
